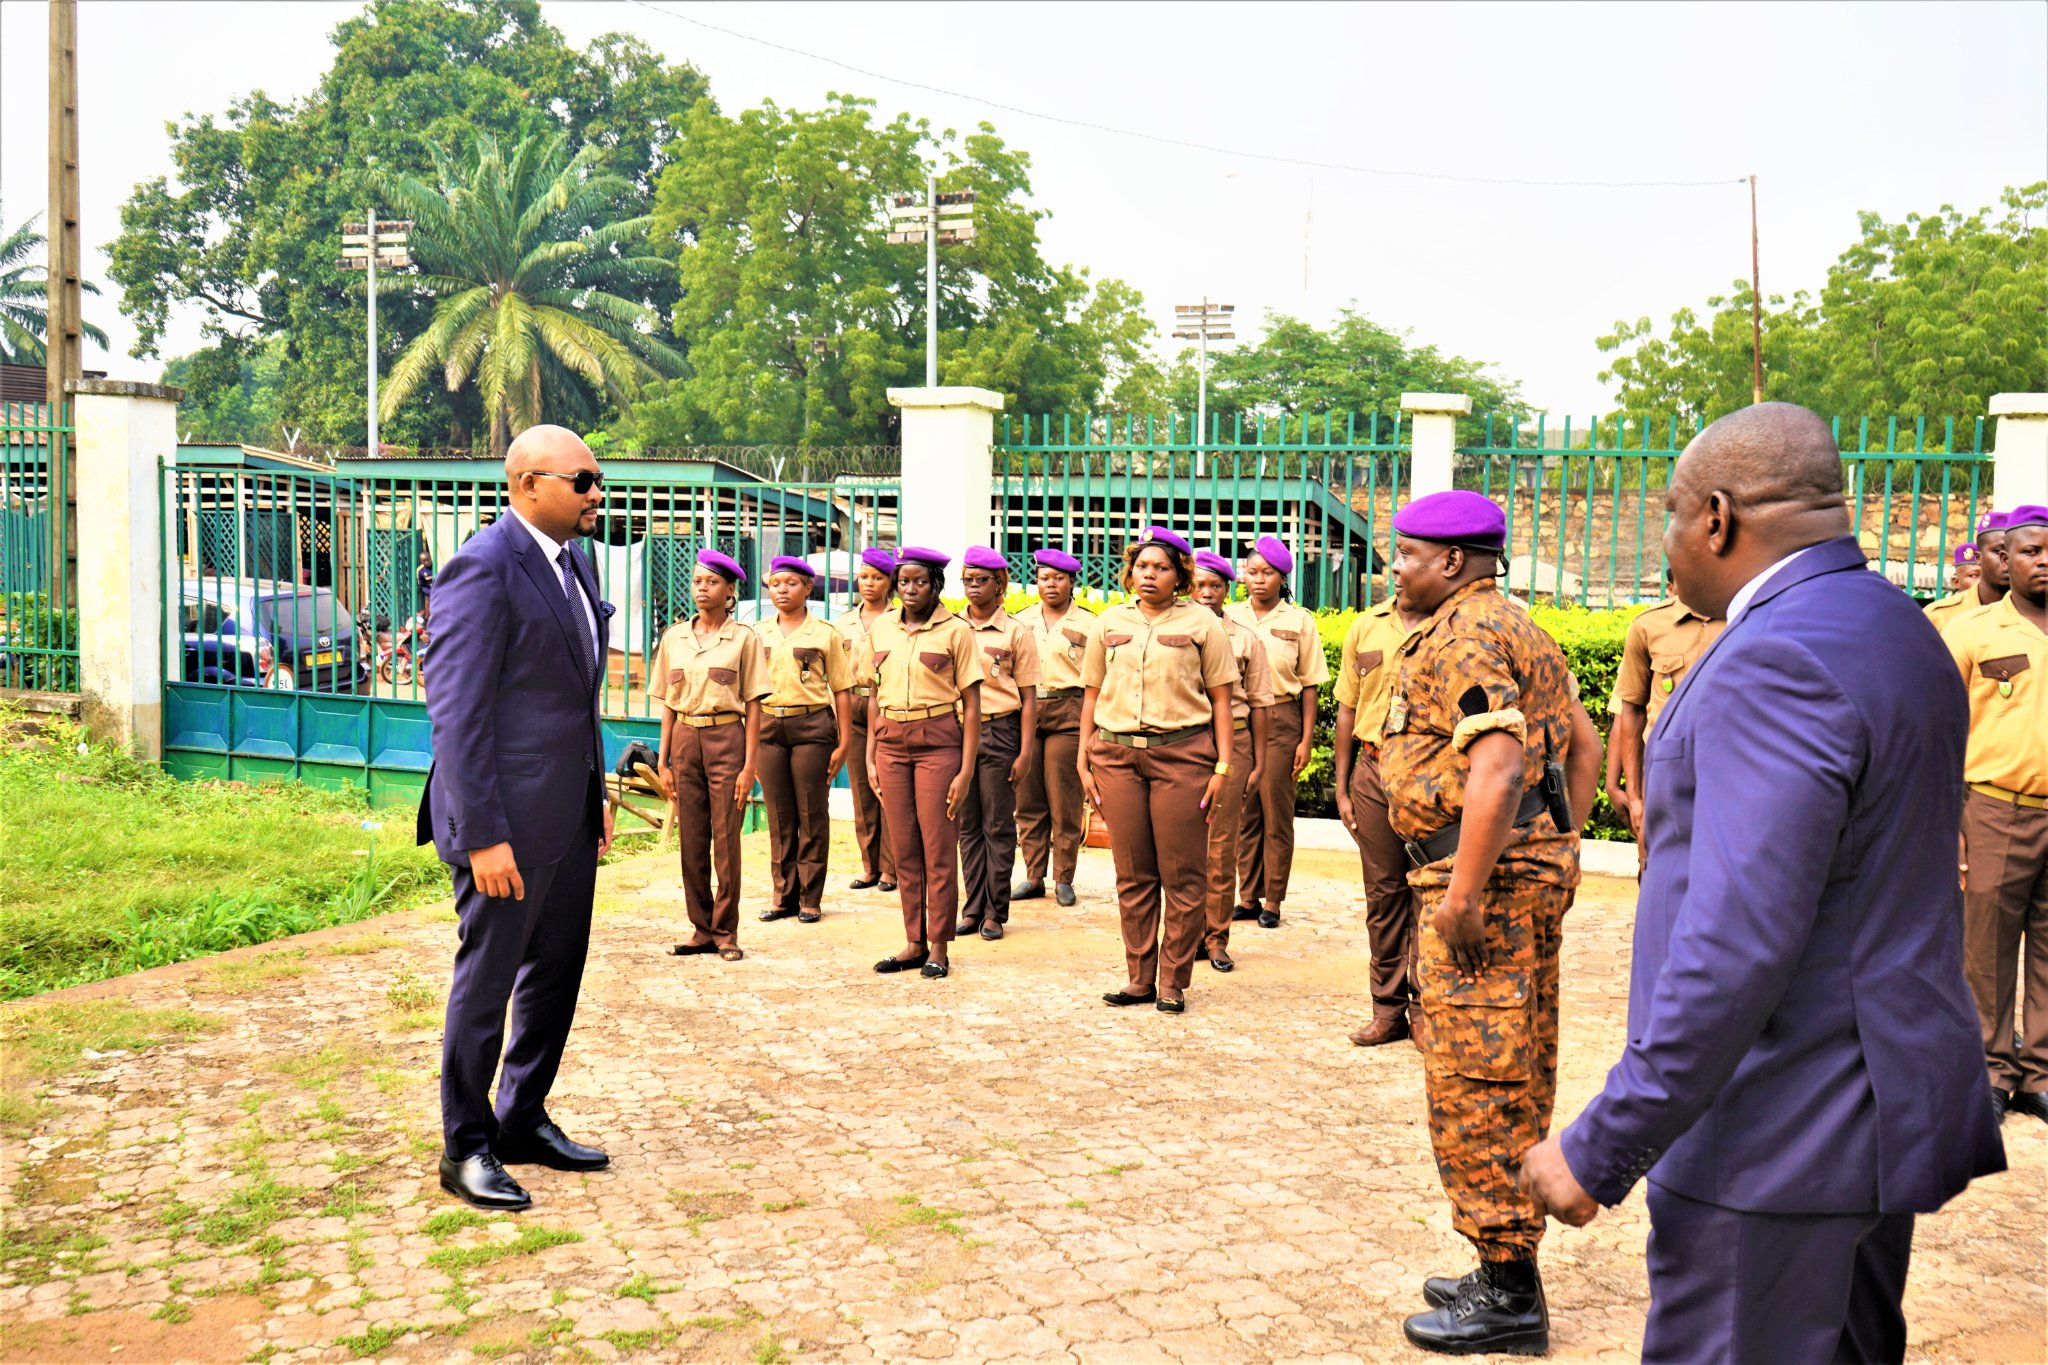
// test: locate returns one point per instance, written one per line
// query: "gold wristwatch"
(1222, 769)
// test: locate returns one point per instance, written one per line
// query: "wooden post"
(62, 358)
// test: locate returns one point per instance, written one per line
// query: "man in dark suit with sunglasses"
(514, 804)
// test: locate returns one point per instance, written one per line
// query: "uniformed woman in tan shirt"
(1156, 712)
(874, 585)
(1294, 652)
(709, 676)
(804, 733)
(924, 724)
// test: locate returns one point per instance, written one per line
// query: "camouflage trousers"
(1489, 1050)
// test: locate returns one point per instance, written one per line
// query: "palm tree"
(24, 298)
(535, 294)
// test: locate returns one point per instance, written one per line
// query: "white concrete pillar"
(1433, 439)
(124, 427)
(948, 496)
(2019, 450)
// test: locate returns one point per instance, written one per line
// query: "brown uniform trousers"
(794, 758)
(1389, 903)
(1265, 848)
(1490, 1060)
(1050, 808)
(916, 761)
(704, 765)
(1158, 836)
(2005, 924)
(870, 826)
(988, 823)
(1224, 816)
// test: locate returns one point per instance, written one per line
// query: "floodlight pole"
(1202, 389)
(370, 225)
(931, 282)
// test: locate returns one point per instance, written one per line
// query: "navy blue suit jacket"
(518, 748)
(1801, 1039)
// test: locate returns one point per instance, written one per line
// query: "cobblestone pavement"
(814, 1162)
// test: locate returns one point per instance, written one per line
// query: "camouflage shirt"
(1478, 665)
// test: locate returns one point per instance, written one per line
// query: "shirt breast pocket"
(1175, 641)
(938, 661)
(1369, 661)
(1666, 670)
(724, 677)
(1112, 641)
(808, 660)
(676, 677)
(1287, 636)
(998, 659)
(1076, 642)
(2002, 672)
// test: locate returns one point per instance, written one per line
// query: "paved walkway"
(813, 1162)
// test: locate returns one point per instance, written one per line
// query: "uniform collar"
(1684, 611)
(940, 615)
(725, 632)
(1001, 618)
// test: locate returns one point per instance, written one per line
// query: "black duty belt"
(1444, 842)
(1048, 693)
(1152, 739)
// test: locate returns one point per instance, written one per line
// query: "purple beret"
(724, 565)
(875, 557)
(1274, 552)
(1169, 538)
(918, 554)
(1989, 522)
(1966, 555)
(1454, 517)
(1215, 564)
(2027, 514)
(982, 557)
(791, 564)
(1057, 559)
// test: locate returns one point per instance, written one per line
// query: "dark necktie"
(579, 627)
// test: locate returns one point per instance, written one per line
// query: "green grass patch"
(770, 1351)
(409, 992)
(700, 1207)
(529, 1240)
(248, 1212)
(110, 865)
(253, 971)
(41, 1042)
(377, 1339)
(643, 1286)
(339, 1056)
(362, 943)
(448, 1222)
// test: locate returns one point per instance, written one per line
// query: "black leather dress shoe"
(1027, 890)
(1269, 919)
(863, 882)
(770, 916)
(1439, 1290)
(1502, 1311)
(885, 885)
(1243, 912)
(901, 964)
(546, 1145)
(2032, 1103)
(479, 1180)
(992, 929)
(1221, 961)
(1063, 892)
(2001, 1101)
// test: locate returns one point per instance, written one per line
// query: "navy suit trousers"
(529, 953)
(1774, 1288)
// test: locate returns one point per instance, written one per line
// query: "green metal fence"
(38, 550)
(298, 623)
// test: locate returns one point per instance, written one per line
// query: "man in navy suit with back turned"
(515, 806)
(1803, 1073)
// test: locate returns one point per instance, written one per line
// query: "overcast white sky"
(1836, 107)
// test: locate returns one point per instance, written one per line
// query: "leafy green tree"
(247, 228)
(231, 393)
(1927, 317)
(534, 287)
(798, 315)
(24, 297)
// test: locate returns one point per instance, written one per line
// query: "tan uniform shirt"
(1365, 673)
(695, 677)
(1059, 647)
(806, 666)
(2004, 662)
(1154, 675)
(912, 667)
(851, 632)
(1254, 685)
(1009, 662)
(1943, 611)
(1662, 644)
(1294, 651)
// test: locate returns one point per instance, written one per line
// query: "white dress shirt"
(553, 550)
(1748, 591)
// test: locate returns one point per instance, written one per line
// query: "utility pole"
(365, 246)
(62, 357)
(941, 220)
(1192, 322)
(1756, 306)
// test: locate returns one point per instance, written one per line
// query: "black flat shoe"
(770, 916)
(1222, 962)
(483, 1183)
(692, 949)
(992, 930)
(1064, 893)
(863, 882)
(1173, 1007)
(1122, 998)
(935, 970)
(2032, 1103)
(968, 926)
(1244, 912)
(1027, 890)
(902, 964)
(809, 916)
(547, 1145)
(1269, 919)
(886, 885)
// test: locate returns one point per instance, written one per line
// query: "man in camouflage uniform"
(1482, 701)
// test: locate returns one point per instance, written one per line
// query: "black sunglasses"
(583, 480)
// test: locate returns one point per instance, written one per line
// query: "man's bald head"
(540, 470)
(547, 447)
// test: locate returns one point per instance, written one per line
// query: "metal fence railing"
(38, 550)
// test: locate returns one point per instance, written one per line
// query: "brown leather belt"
(916, 712)
(1048, 693)
(715, 718)
(1150, 739)
(785, 712)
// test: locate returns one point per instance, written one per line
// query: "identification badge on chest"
(1397, 714)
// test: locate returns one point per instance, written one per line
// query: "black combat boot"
(1501, 1310)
